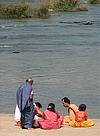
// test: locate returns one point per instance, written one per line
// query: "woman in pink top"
(50, 118)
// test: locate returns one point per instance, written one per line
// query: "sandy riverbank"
(7, 128)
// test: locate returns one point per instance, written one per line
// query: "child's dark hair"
(38, 104)
(66, 100)
(82, 107)
(51, 107)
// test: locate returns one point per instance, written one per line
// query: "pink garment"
(50, 120)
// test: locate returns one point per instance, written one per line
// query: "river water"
(61, 54)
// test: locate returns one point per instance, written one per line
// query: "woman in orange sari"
(81, 118)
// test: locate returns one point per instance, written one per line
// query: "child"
(50, 118)
(81, 118)
(37, 113)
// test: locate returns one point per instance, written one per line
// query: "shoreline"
(7, 128)
(41, 9)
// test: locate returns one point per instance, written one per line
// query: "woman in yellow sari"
(81, 118)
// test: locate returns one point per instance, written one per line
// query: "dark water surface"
(60, 53)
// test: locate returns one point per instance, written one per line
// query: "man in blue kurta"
(24, 97)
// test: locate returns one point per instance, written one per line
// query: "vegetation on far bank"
(94, 1)
(23, 10)
(67, 5)
(41, 10)
(14, 10)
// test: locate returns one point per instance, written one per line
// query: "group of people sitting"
(29, 115)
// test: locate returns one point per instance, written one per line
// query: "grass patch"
(68, 5)
(94, 1)
(19, 10)
(23, 10)
(40, 10)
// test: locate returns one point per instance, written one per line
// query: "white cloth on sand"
(17, 114)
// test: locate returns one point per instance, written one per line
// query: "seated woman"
(72, 108)
(50, 118)
(81, 118)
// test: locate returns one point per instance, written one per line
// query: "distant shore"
(42, 9)
(7, 128)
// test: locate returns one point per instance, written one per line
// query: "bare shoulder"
(73, 106)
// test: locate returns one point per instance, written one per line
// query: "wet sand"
(7, 128)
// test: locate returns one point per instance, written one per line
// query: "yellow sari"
(87, 123)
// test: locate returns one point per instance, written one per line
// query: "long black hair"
(51, 107)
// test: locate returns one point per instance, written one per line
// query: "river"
(61, 54)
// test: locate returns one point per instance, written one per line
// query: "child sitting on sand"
(81, 118)
(37, 113)
(37, 110)
(50, 118)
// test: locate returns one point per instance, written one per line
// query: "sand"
(7, 128)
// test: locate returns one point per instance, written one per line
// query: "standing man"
(24, 97)
(72, 108)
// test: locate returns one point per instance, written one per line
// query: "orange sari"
(81, 120)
